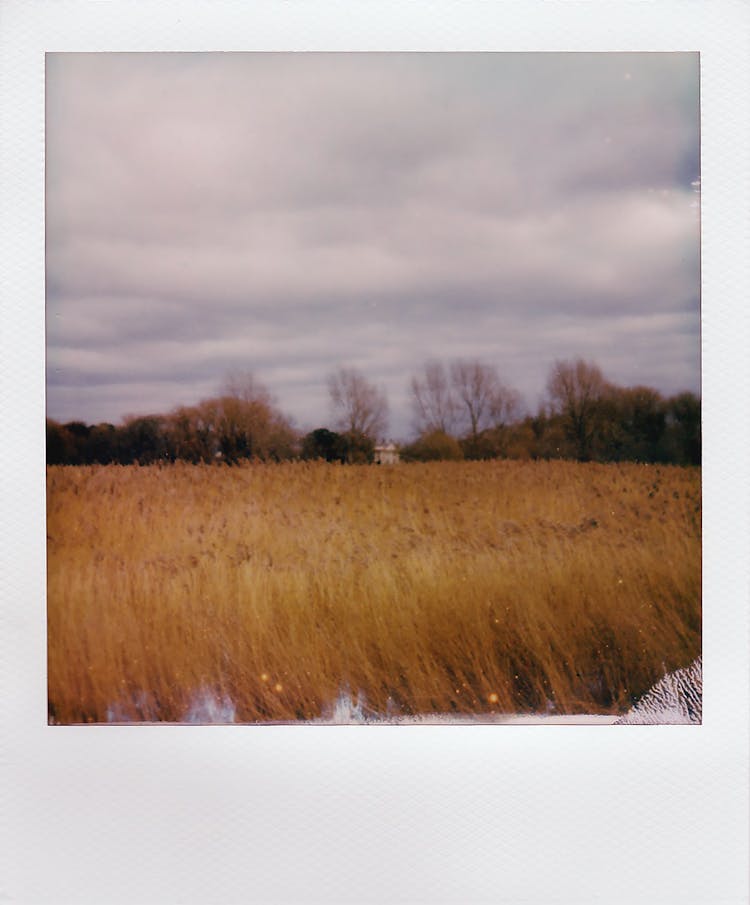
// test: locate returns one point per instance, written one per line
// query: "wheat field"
(453, 587)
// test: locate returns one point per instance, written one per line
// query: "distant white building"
(386, 454)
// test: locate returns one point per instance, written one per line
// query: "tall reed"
(445, 587)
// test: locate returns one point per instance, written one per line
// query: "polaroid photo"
(389, 503)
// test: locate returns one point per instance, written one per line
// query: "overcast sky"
(291, 213)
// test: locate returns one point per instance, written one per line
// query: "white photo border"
(531, 814)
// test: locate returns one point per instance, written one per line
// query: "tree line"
(467, 411)
(463, 410)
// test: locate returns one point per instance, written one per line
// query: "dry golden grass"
(445, 587)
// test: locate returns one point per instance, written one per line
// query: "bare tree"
(241, 423)
(506, 406)
(486, 401)
(360, 407)
(576, 390)
(435, 405)
(249, 423)
(244, 387)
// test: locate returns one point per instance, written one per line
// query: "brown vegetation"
(454, 587)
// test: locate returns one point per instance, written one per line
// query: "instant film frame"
(503, 213)
(439, 814)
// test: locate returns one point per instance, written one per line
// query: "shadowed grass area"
(451, 587)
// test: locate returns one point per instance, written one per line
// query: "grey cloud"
(587, 245)
(288, 212)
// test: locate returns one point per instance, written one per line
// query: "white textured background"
(617, 815)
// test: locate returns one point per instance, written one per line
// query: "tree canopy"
(461, 410)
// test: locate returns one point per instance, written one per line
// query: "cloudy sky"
(291, 213)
